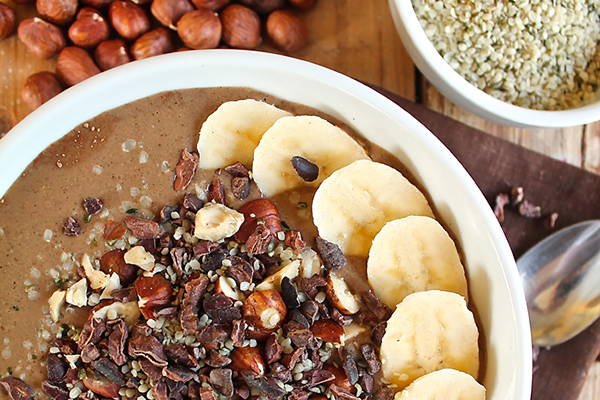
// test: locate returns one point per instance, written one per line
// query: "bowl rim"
(99, 92)
(452, 85)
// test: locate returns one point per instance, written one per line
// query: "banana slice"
(445, 384)
(429, 331)
(231, 133)
(414, 254)
(325, 146)
(353, 204)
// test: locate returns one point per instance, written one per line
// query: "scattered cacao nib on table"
(516, 201)
(199, 319)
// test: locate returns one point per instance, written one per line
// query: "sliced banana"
(445, 384)
(429, 331)
(414, 254)
(309, 137)
(353, 204)
(231, 133)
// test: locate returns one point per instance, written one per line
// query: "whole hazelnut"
(153, 43)
(241, 27)
(59, 12)
(263, 6)
(129, 20)
(7, 20)
(39, 88)
(96, 3)
(214, 5)
(44, 39)
(200, 29)
(89, 29)
(286, 30)
(168, 12)
(23, 1)
(303, 4)
(153, 291)
(75, 65)
(264, 312)
(111, 53)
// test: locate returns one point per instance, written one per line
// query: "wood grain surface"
(356, 38)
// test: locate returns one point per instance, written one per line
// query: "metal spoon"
(561, 280)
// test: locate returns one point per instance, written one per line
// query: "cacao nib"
(237, 170)
(206, 393)
(89, 353)
(311, 285)
(116, 342)
(92, 206)
(134, 381)
(217, 301)
(340, 318)
(178, 374)
(529, 210)
(110, 370)
(267, 386)
(216, 192)
(165, 241)
(240, 187)
(502, 200)
(185, 169)
(378, 332)
(348, 365)
(65, 345)
(281, 373)
(370, 356)
(189, 319)
(193, 388)
(204, 247)
(143, 228)
(318, 377)
(168, 312)
(166, 213)
(298, 394)
(367, 318)
(92, 332)
(159, 391)
(365, 380)
(384, 393)
(340, 393)
(177, 254)
(238, 332)
(273, 350)
(221, 380)
(225, 315)
(179, 354)
(57, 391)
(289, 293)
(213, 261)
(310, 309)
(296, 315)
(71, 376)
(152, 371)
(71, 227)
(294, 240)
(306, 170)
(243, 391)
(148, 244)
(124, 295)
(298, 333)
(213, 333)
(56, 367)
(216, 360)
(192, 202)
(240, 270)
(148, 347)
(381, 310)
(331, 255)
(289, 360)
(195, 289)
(259, 240)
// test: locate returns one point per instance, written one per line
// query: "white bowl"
(452, 85)
(494, 282)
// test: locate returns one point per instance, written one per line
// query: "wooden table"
(356, 38)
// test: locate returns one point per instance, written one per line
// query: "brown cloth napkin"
(497, 166)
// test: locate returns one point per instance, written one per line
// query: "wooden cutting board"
(497, 166)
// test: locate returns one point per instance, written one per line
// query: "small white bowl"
(495, 286)
(452, 85)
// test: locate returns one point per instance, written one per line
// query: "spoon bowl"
(561, 280)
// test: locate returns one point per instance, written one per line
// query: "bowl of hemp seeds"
(515, 62)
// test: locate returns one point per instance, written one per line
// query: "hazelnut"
(59, 12)
(286, 30)
(247, 359)
(328, 330)
(241, 27)
(153, 43)
(200, 29)
(44, 39)
(114, 261)
(264, 312)
(89, 29)
(214, 5)
(153, 291)
(168, 12)
(75, 65)
(23, 1)
(129, 20)
(340, 378)
(255, 210)
(112, 309)
(303, 4)
(113, 230)
(39, 88)
(101, 386)
(110, 54)
(263, 6)
(340, 296)
(96, 3)
(7, 20)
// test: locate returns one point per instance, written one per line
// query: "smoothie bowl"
(231, 224)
